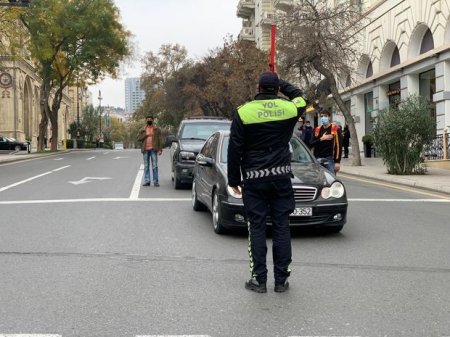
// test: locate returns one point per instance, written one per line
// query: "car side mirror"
(205, 161)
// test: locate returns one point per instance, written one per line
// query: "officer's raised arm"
(295, 94)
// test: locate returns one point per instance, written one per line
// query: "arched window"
(395, 57)
(427, 42)
(369, 71)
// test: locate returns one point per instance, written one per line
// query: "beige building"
(404, 47)
(19, 103)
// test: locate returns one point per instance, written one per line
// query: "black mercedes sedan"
(320, 198)
(11, 144)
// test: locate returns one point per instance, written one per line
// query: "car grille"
(304, 193)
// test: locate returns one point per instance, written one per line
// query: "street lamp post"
(100, 113)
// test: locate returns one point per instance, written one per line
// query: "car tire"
(216, 213)
(196, 204)
(176, 182)
(17, 148)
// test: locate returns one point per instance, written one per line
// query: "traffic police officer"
(259, 160)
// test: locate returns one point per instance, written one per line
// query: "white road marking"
(32, 178)
(61, 168)
(324, 336)
(137, 183)
(32, 335)
(172, 336)
(106, 152)
(58, 159)
(86, 180)
(399, 200)
(120, 158)
(24, 181)
(65, 201)
(90, 158)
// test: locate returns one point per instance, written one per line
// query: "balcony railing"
(247, 34)
(245, 8)
(283, 5)
(267, 18)
(439, 148)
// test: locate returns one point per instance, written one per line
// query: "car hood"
(191, 145)
(309, 174)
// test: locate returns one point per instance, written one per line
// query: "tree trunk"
(45, 113)
(317, 64)
(56, 104)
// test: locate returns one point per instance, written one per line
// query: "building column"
(409, 85)
(442, 96)
(358, 113)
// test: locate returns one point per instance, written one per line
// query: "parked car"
(190, 138)
(8, 143)
(320, 198)
(118, 146)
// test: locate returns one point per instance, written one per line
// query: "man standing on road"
(327, 142)
(259, 149)
(151, 147)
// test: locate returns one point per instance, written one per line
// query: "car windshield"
(299, 153)
(201, 131)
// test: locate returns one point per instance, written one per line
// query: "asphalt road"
(86, 251)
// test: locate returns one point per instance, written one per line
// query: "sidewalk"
(22, 155)
(435, 179)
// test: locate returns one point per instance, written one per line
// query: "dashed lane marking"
(90, 158)
(174, 336)
(32, 178)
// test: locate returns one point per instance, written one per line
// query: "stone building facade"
(20, 112)
(404, 48)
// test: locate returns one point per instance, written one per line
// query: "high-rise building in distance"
(134, 95)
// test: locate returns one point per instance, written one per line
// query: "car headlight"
(184, 155)
(234, 194)
(336, 190)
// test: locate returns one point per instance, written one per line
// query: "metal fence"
(439, 148)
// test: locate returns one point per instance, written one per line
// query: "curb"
(32, 156)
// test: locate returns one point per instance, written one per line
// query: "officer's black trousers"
(274, 198)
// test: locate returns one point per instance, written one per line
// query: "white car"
(118, 146)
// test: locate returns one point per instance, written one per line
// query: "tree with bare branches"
(319, 41)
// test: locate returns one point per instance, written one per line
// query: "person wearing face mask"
(151, 147)
(327, 142)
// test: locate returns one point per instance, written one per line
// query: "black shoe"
(281, 288)
(146, 184)
(156, 184)
(255, 286)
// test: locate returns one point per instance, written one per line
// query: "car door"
(4, 145)
(204, 171)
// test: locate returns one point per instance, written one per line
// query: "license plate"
(302, 211)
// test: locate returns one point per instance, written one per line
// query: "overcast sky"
(199, 25)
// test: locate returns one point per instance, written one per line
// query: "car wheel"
(176, 182)
(216, 214)
(17, 148)
(196, 205)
